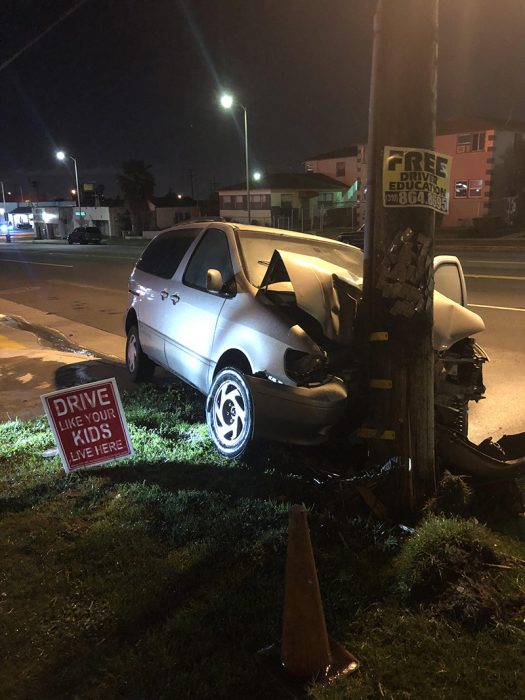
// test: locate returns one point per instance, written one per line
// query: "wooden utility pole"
(399, 246)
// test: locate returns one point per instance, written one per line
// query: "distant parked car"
(25, 227)
(261, 321)
(85, 235)
(355, 237)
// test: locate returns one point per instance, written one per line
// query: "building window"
(226, 201)
(475, 188)
(239, 201)
(461, 188)
(260, 201)
(326, 197)
(466, 143)
(286, 201)
(340, 169)
(478, 141)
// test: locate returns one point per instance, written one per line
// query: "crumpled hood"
(329, 294)
(320, 287)
(452, 322)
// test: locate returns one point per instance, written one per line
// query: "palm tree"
(137, 185)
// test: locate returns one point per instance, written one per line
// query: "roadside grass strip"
(162, 575)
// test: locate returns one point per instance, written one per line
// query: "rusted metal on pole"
(399, 245)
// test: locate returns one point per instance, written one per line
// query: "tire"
(138, 364)
(229, 413)
(70, 241)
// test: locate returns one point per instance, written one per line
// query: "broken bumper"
(300, 415)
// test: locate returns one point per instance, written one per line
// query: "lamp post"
(62, 156)
(227, 102)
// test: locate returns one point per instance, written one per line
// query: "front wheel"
(139, 366)
(229, 413)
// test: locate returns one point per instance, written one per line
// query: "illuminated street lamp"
(62, 156)
(257, 176)
(227, 102)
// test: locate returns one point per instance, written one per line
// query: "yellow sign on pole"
(416, 177)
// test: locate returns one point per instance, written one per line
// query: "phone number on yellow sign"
(421, 199)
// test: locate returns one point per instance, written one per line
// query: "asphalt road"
(88, 284)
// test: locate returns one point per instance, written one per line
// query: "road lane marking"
(496, 262)
(100, 257)
(19, 290)
(87, 286)
(27, 262)
(499, 308)
(8, 344)
(496, 277)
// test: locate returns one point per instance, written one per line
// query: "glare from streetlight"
(73, 191)
(257, 176)
(227, 101)
(61, 155)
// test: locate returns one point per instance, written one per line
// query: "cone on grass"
(306, 650)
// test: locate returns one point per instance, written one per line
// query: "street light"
(227, 102)
(257, 176)
(62, 156)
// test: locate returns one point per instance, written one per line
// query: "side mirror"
(214, 282)
(449, 278)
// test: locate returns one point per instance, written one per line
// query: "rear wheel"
(229, 412)
(140, 367)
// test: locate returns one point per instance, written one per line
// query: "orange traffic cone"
(306, 650)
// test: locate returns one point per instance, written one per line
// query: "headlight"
(303, 367)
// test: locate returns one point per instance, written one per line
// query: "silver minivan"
(261, 322)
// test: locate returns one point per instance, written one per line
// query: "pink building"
(477, 147)
(477, 186)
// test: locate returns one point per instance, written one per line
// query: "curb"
(106, 346)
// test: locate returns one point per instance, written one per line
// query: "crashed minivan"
(261, 321)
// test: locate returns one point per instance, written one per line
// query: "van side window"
(165, 252)
(212, 252)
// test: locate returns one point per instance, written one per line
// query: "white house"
(285, 200)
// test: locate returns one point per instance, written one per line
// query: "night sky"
(122, 79)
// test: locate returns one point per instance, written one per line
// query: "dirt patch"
(458, 568)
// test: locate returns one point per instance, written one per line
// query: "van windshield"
(257, 248)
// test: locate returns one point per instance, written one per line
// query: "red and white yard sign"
(89, 424)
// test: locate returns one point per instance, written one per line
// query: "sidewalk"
(74, 335)
(35, 361)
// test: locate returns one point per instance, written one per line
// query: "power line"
(46, 31)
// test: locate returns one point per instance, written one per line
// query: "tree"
(137, 185)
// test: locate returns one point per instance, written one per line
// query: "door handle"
(164, 294)
(175, 298)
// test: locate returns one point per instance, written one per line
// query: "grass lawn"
(161, 576)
